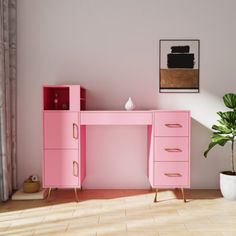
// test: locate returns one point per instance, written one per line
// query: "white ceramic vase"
(129, 105)
(228, 186)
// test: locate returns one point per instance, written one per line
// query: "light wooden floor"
(121, 212)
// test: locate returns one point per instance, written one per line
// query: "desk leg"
(155, 198)
(49, 193)
(76, 195)
(182, 190)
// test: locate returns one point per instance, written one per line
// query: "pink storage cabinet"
(64, 160)
(171, 162)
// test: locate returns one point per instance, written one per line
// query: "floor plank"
(121, 212)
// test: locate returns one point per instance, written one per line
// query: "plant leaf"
(211, 145)
(230, 100)
(228, 119)
(222, 129)
(226, 130)
(222, 122)
(217, 139)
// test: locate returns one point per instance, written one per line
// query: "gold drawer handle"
(173, 125)
(75, 168)
(75, 131)
(173, 150)
(173, 174)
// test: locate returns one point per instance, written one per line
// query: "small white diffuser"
(129, 105)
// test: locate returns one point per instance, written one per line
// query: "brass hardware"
(75, 168)
(155, 198)
(173, 174)
(182, 190)
(173, 150)
(49, 193)
(76, 195)
(173, 125)
(75, 131)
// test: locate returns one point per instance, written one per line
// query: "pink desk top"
(122, 117)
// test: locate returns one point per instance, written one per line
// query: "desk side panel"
(150, 152)
(82, 153)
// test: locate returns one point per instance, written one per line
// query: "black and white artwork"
(179, 66)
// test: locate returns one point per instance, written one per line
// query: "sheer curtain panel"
(7, 98)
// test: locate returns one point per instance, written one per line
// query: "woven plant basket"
(31, 187)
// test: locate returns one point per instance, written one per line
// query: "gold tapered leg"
(49, 193)
(155, 198)
(182, 190)
(76, 195)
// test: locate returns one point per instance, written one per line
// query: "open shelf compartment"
(56, 98)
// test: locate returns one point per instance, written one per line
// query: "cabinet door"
(61, 130)
(61, 168)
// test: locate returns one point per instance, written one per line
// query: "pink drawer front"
(171, 149)
(171, 174)
(171, 123)
(116, 118)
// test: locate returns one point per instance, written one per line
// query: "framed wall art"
(179, 66)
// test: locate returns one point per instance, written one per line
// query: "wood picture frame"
(179, 65)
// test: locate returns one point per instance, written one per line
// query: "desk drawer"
(116, 118)
(174, 174)
(171, 123)
(171, 149)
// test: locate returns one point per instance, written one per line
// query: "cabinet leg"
(155, 198)
(49, 193)
(182, 190)
(76, 195)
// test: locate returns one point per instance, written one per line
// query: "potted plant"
(225, 132)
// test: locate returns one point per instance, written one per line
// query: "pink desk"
(64, 139)
(168, 142)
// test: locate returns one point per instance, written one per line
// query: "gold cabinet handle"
(75, 168)
(173, 125)
(75, 131)
(173, 174)
(173, 150)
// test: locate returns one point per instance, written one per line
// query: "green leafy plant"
(225, 130)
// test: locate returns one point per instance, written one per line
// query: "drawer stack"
(171, 149)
